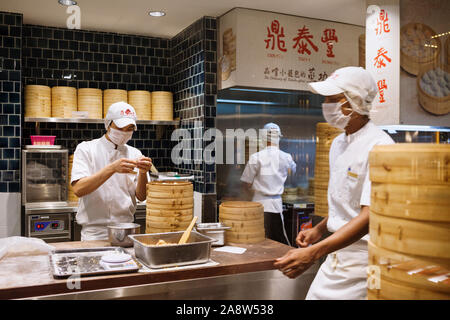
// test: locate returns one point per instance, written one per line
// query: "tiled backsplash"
(10, 97)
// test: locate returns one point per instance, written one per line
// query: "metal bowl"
(118, 233)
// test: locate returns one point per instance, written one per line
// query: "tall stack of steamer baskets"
(246, 219)
(60, 102)
(409, 222)
(325, 135)
(169, 206)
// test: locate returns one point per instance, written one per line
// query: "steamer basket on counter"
(91, 100)
(38, 101)
(111, 96)
(245, 219)
(410, 221)
(162, 105)
(141, 101)
(64, 102)
(325, 135)
(170, 206)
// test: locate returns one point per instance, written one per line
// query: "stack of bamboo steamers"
(325, 135)
(246, 220)
(60, 102)
(409, 247)
(169, 206)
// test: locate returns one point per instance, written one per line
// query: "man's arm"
(144, 164)
(87, 185)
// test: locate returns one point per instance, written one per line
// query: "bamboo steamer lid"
(38, 101)
(141, 102)
(410, 201)
(111, 96)
(64, 101)
(170, 186)
(162, 105)
(421, 238)
(410, 163)
(171, 201)
(91, 100)
(325, 134)
(157, 195)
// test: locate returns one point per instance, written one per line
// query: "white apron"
(343, 275)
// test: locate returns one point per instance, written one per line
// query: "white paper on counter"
(231, 249)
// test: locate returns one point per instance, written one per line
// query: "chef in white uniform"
(265, 175)
(348, 93)
(108, 175)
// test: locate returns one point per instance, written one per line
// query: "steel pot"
(118, 233)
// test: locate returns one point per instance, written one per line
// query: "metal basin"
(196, 250)
(118, 233)
(214, 230)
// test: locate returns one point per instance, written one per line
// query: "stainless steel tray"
(196, 250)
(87, 262)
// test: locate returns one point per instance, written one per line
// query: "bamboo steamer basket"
(435, 105)
(362, 50)
(64, 101)
(420, 238)
(142, 102)
(407, 277)
(111, 96)
(162, 105)
(169, 206)
(38, 101)
(245, 219)
(71, 197)
(411, 63)
(325, 134)
(91, 100)
(416, 202)
(410, 163)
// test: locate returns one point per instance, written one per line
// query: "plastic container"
(43, 140)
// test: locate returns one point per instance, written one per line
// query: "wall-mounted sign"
(271, 50)
(383, 58)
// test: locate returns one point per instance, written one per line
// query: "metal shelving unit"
(86, 120)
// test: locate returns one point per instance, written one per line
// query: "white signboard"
(271, 50)
(383, 58)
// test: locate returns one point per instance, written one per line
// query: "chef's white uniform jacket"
(267, 171)
(115, 200)
(343, 275)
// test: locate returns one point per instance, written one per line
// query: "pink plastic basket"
(43, 140)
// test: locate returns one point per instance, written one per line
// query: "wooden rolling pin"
(187, 233)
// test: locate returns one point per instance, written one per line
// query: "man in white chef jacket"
(108, 175)
(349, 93)
(265, 175)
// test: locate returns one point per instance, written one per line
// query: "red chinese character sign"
(328, 37)
(303, 41)
(275, 36)
(381, 57)
(382, 23)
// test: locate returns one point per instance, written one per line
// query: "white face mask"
(119, 137)
(334, 116)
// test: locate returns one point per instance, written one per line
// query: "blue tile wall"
(10, 97)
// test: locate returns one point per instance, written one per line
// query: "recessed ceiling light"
(157, 13)
(67, 2)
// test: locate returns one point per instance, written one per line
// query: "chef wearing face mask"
(108, 175)
(265, 175)
(349, 93)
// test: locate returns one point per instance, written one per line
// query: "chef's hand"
(308, 237)
(124, 165)
(295, 262)
(144, 164)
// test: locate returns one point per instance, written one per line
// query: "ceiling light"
(157, 13)
(67, 2)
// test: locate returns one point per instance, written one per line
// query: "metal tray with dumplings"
(197, 250)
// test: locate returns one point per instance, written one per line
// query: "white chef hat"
(356, 83)
(122, 114)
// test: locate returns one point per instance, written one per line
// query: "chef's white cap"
(122, 114)
(356, 83)
(273, 127)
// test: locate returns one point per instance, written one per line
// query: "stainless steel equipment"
(213, 230)
(118, 233)
(87, 262)
(196, 250)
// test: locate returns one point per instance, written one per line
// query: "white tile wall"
(9, 214)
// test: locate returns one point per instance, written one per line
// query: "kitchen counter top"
(30, 276)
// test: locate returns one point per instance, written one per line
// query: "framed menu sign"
(278, 51)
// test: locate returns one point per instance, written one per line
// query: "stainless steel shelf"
(84, 120)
